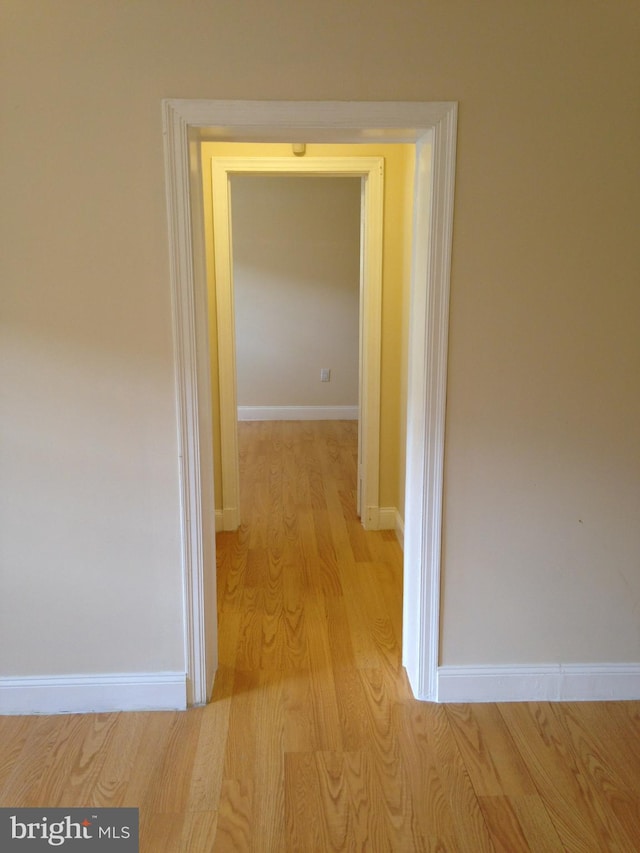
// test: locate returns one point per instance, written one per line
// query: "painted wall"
(296, 280)
(396, 268)
(542, 479)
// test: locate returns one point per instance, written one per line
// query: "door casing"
(431, 127)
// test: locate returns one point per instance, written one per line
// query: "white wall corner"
(546, 683)
(219, 517)
(86, 694)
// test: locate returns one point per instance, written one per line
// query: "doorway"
(296, 294)
(371, 173)
(431, 127)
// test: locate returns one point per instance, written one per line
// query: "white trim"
(390, 519)
(550, 683)
(387, 518)
(85, 694)
(224, 518)
(297, 413)
(193, 404)
(399, 528)
(312, 121)
(371, 170)
(428, 343)
(432, 128)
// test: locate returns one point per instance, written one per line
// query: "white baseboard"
(387, 518)
(390, 519)
(297, 413)
(227, 519)
(552, 683)
(84, 694)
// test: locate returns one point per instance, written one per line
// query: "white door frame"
(431, 127)
(371, 171)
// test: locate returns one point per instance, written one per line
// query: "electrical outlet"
(325, 374)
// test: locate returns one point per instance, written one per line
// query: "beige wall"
(296, 283)
(542, 494)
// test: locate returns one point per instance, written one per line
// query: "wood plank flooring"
(313, 741)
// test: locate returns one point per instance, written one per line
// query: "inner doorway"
(296, 284)
(370, 172)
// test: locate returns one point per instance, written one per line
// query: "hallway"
(310, 613)
(310, 620)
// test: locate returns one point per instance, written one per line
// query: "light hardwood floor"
(312, 741)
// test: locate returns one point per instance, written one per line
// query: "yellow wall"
(398, 206)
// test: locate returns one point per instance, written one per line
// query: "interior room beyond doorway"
(398, 192)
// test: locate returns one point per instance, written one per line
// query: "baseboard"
(552, 683)
(390, 519)
(297, 413)
(227, 519)
(84, 694)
